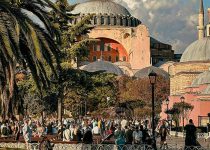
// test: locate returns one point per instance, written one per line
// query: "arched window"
(124, 58)
(102, 20)
(94, 58)
(117, 58)
(121, 21)
(95, 47)
(102, 46)
(115, 20)
(109, 20)
(110, 58)
(109, 47)
(95, 20)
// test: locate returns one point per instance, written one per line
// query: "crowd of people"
(123, 130)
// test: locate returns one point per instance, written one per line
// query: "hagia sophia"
(124, 41)
(125, 47)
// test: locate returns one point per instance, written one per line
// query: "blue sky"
(169, 21)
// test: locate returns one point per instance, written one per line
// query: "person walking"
(190, 138)
(27, 134)
(163, 131)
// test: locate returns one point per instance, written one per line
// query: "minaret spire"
(201, 27)
(201, 10)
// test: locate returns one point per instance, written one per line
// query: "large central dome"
(100, 7)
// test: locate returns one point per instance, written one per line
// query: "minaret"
(208, 25)
(201, 27)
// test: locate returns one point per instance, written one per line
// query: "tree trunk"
(8, 90)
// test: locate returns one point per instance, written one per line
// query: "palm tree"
(26, 43)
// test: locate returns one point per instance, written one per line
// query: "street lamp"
(152, 77)
(169, 120)
(182, 101)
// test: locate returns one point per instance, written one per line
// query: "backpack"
(120, 140)
(4, 131)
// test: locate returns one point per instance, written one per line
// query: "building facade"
(122, 38)
(190, 78)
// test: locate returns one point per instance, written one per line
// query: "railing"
(35, 146)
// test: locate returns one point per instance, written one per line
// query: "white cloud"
(170, 21)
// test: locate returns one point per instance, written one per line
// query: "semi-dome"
(103, 66)
(143, 73)
(203, 78)
(197, 51)
(100, 7)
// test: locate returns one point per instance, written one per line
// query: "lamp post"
(167, 103)
(152, 77)
(182, 101)
(169, 120)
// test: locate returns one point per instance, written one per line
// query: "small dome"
(103, 66)
(100, 7)
(203, 78)
(143, 73)
(197, 51)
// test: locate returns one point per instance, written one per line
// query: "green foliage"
(73, 42)
(183, 106)
(92, 88)
(178, 109)
(35, 102)
(26, 43)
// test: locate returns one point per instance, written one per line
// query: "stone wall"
(182, 75)
(135, 40)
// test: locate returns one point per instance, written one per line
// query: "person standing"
(4, 130)
(17, 130)
(137, 136)
(66, 134)
(27, 134)
(190, 138)
(128, 135)
(88, 136)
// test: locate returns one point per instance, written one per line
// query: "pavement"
(180, 142)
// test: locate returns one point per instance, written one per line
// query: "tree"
(180, 109)
(91, 89)
(34, 102)
(26, 43)
(184, 109)
(138, 93)
(74, 48)
(73, 42)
